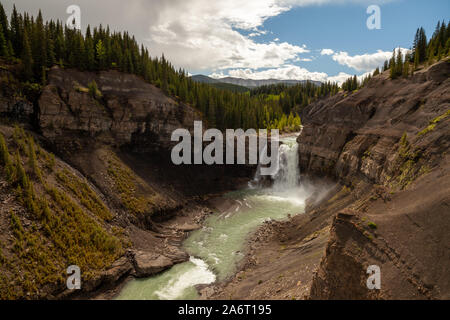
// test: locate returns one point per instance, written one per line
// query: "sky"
(324, 40)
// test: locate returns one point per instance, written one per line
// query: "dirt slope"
(386, 146)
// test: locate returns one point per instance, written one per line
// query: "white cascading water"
(217, 248)
(288, 174)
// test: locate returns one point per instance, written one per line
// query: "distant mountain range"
(248, 83)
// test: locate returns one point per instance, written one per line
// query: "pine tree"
(101, 54)
(27, 58)
(376, 72)
(16, 32)
(392, 66)
(11, 52)
(3, 44)
(399, 63)
(406, 65)
(60, 48)
(211, 113)
(4, 23)
(39, 46)
(4, 154)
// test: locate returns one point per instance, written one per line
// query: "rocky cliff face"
(388, 144)
(386, 149)
(109, 179)
(357, 135)
(13, 104)
(125, 111)
(128, 114)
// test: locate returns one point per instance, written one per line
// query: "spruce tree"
(399, 63)
(39, 46)
(27, 59)
(101, 54)
(11, 52)
(4, 23)
(392, 66)
(376, 72)
(212, 113)
(3, 44)
(16, 31)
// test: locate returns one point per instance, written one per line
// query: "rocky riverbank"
(386, 147)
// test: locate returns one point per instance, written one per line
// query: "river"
(216, 249)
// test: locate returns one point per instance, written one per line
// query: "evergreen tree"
(3, 44)
(420, 47)
(398, 63)
(101, 54)
(376, 72)
(27, 59)
(16, 32)
(212, 113)
(51, 58)
(11, 52)
(39, 46)
(4, 23)
(406, 66)
(392, 66)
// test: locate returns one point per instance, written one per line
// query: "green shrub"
(93, 90)
(433, 123)
(84, 193)
(372, 225)
(4, 153)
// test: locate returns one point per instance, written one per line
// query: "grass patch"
(433, 123)
(407, 163)
(59, 232)
(372, 225)
(126, 184)
(84, 193)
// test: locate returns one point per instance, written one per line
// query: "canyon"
(376, 162)
(384, 149)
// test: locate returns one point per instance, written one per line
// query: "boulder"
(148, 264)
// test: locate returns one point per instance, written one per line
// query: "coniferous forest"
(403, 64)
(38, 45)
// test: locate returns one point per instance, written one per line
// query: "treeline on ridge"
(403, 64)
(39, 45)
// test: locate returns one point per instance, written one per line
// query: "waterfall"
(288, 174)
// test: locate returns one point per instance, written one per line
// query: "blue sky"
(343, 28)
(259, 39)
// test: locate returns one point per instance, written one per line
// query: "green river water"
(216, 249)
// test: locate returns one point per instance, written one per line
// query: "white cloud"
(326, 52)
(364, 62)
(203, 35)
(287, 72)
(194, 34)
(342, 76)
(258, 33)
